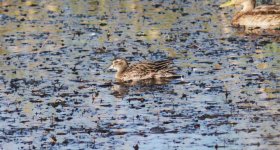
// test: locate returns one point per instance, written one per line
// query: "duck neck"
(248, 5)
(119, 73)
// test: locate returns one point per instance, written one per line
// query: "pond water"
(55, 92)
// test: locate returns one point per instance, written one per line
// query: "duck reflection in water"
(121, 89)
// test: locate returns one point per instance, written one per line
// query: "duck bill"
(229, 3)
(110, 68)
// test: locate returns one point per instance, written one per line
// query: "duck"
(261, 17)
(142, 70)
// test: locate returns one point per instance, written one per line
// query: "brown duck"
(142, 70)
(264, 16)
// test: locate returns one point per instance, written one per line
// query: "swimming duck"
(142, 70)
(264, 16)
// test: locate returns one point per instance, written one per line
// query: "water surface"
(55, 93)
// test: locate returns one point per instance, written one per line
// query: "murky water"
(55, 93)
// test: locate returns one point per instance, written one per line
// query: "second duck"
(264, 16)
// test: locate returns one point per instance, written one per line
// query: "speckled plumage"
(142, 70)
(264, 16)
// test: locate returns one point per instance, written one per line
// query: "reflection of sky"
(51, 45)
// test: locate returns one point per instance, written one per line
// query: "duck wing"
(136, 72)
(147, 69)
(267, 9)
(159, 65)
(164, 69)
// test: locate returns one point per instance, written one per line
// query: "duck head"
(119, 65)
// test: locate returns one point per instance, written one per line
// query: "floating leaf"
(52, 8)
(262, 66)
(30, 3)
